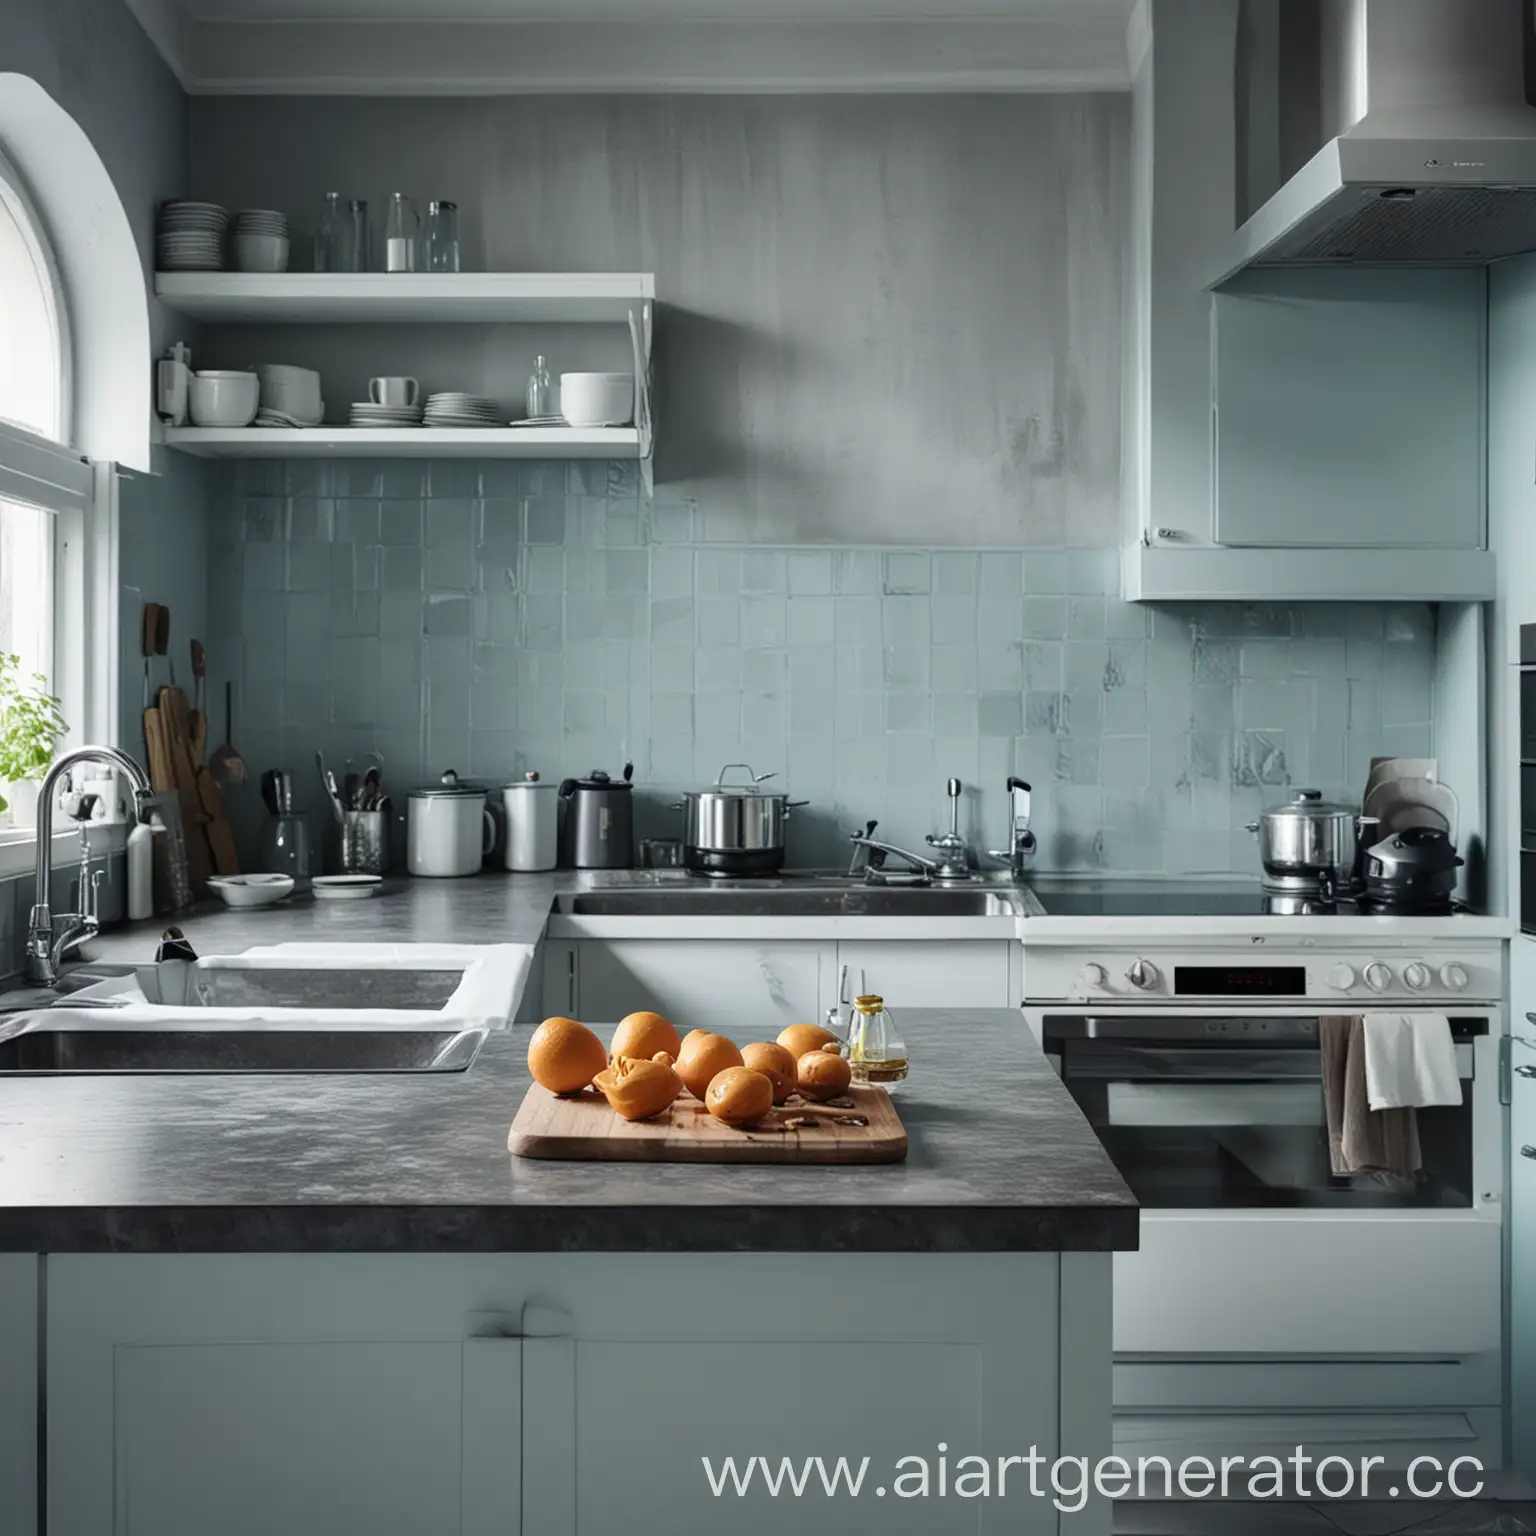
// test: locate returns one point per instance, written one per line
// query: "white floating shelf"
(407, 443)
(319, 298)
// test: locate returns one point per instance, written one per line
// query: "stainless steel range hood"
(1432, 158)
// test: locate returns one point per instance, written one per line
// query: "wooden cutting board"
(583, 1128)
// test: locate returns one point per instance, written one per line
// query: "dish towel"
(1361, 1140)
(1410, 1061)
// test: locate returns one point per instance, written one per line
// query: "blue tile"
(906, 621)
(953, 619)
(954, 571)
(627, 571)
(906, 573)
(449, 569)
(763, 621)
(400, 569)
(763, 570)
(449, 614)
(1000, 714)
(544, 521)
(1000, 573)
(811, 620)
(672, 621)
(400, 522)
(809, 572)
(263, 521)
(719, 621)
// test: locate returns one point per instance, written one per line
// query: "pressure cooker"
(599, 829)
(735, 829)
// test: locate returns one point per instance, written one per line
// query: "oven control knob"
(1092, 975)
(1454, 978)
(1416, 975)
(1341, 977)
(1142, 975)
(1378, 977)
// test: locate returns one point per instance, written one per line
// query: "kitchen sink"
(212, 985)
(41, 1048)
(793, 901)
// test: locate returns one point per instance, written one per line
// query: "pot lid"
(599, 779)
(752, 785)
(1308, 803)
(449, 785)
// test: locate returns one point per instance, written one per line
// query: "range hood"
(1432, 158)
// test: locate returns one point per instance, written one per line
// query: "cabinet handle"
(842, 987)
(533, 1320)
(1526, 1071)
(570, 982)
(1528, 1152)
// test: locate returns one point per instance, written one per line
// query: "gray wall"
(886, 320)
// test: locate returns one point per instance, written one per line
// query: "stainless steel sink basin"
(793, 901)
(222, 986)
(41, 1048)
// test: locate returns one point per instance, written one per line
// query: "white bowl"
(261, 253)
(252, 890)
(597, 399)
(220, 398)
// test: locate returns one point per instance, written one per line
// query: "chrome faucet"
(1021, 840)
(951, 867)
(49, 937)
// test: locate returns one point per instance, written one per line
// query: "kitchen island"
(350, 1279)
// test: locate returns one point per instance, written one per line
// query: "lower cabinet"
(567, 1395)
(19, 1296)
(736, 985)
(752, 989)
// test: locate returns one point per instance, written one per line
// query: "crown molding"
(1084, 49)
(165, 24)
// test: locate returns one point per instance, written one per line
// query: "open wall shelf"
(406, 443)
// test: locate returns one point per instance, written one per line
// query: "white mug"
(393, 391)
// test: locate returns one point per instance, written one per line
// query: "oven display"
(1240, 980)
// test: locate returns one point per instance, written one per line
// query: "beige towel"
(1362, 1139)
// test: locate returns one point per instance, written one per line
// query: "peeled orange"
(775, 1063)
(702, 1056)
(800, 1038)
(565, 1056)
(643, 1034)
(639, 1089)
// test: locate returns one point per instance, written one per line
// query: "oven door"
(1249, 1243)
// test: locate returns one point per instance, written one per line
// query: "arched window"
(39, 477)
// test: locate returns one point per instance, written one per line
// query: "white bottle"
(141, 880)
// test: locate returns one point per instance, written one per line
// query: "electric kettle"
(599, 830)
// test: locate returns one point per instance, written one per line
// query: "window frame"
(81, 498)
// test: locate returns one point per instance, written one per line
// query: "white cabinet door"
(969, 974)
(743, 988)
(249, 1395)
(1349, 409)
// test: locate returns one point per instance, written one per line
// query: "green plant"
(30, 724)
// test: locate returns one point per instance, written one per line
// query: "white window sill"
(18, 847)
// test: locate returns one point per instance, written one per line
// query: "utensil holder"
(364, 843)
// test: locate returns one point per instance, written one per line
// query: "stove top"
(1155, 898)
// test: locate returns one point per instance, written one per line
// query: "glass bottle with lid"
(875, 1052)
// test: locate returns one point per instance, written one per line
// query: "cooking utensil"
(226, 765)
(449, 829)
(328, 779)
(531, 810)
(363, 844)
(1307, 844)
(197, 720)
(735, 829)
(599, 831)
(1412, 870)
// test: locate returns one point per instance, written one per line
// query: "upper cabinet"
(1348, 410)
(1296, 433)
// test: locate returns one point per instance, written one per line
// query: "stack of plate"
(189, 237)
(366, 414)
(261, 221)
(455, 410)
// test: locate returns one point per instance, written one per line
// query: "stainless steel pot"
(735, 829)
(1308, 844)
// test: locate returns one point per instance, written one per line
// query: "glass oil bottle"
(874, 1051)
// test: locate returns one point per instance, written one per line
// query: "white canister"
(533, 823)
(448, 828)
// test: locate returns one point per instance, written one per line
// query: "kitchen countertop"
(1001, 1159)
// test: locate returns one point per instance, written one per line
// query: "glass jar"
(875, 1052)
(401, 234)
(442, 237)
(541, 397)
(352, 253)
(328, 234)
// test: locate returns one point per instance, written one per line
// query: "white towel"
(1410, 1061)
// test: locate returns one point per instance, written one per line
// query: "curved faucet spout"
(42, 951)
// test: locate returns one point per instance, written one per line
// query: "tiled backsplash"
(494, 617)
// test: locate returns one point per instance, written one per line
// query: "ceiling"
(487, 47)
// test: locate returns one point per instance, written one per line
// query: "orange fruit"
(702, 1056)
(822, 1075)
(775, 1063)
(800, 1038)
(642, 1035)
(639, 1089)
(565, 1056)
(739, 1096)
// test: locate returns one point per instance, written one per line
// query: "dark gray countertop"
(1001, 1159)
